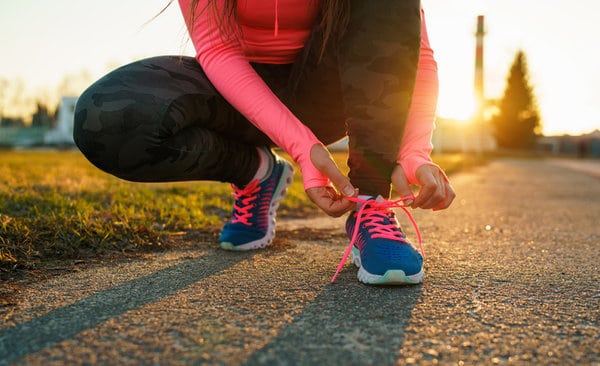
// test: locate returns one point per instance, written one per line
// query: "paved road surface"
(512, 277)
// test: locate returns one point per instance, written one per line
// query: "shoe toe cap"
(239, 237)
(378, 259)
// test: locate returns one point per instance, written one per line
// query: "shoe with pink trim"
(252, 223)
(379, 247)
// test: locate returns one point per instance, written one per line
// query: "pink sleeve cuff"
(411, 164)
(311, 176)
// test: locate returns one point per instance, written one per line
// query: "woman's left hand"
(435, 189)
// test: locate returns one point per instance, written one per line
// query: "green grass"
(56, 205)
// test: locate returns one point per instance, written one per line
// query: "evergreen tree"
(517, 123)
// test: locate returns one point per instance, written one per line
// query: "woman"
(299, 74)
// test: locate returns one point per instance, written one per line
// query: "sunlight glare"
(457, 106)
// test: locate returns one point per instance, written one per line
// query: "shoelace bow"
(244, 196)
(370, 211)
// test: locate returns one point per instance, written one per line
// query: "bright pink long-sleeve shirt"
(275, 32)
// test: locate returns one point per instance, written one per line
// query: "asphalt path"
(512, 277)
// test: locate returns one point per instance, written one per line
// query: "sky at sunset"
(43, 44)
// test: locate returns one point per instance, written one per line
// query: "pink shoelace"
(241, 213)
(370, 211)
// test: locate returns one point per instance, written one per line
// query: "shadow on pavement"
(347, 324)
(66, 322)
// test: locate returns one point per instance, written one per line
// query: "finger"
(426, 197)
(428, 188)
(438, 193)
(323, 161)
(340, 207)
(328, 200)
(401, 183)
(335, 203)
(450, 195)
(338, 179)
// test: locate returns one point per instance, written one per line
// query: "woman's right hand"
(332, 202)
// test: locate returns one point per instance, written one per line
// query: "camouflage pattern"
(160, 119)
(378, 60)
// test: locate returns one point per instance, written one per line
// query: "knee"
(97, 134)
(87, 127)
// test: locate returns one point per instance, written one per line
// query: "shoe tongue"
(379, 198)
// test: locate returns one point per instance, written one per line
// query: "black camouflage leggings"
(160, 119)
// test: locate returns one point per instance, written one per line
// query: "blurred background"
(513, 74)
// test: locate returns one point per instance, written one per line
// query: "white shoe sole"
(391, 277)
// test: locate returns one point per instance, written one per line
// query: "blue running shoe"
(252, 224)
(380, 249)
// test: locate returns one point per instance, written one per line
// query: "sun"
(458, 106)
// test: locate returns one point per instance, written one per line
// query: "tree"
(517, 123)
